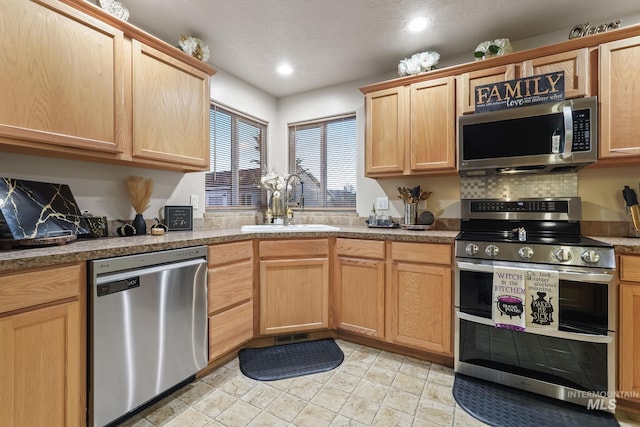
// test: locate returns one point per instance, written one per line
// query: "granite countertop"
(88, 249)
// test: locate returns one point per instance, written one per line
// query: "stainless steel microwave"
(557, 137)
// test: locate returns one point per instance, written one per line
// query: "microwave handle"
(567, 113)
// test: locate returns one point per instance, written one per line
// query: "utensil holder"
(634, 211)
(410, 213)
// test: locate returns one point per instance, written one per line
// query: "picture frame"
(178, 218)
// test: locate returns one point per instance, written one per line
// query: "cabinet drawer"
(25, 289)
(230, 252)
(421, 252)
(230, 329)
(630, 268)
(293, 248)
(360, 248)
(229, 285)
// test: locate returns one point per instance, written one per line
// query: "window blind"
(238, 159)
(323, 153)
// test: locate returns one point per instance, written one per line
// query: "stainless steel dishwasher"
(147, 328)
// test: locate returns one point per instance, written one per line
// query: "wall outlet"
(194, 201)
(382, 203)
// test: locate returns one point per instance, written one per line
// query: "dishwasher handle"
(115, 282)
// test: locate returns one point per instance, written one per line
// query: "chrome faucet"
(288, 218)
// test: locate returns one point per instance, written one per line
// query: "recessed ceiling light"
(417, 24)
(285, 69)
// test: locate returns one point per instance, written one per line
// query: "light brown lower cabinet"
(358, 302)
(629, 336)
(629, 326)
(294, 286)
(399, 292)
(418, 299)
(230, 296)
(43, 347)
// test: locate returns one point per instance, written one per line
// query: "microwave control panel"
(581, 131)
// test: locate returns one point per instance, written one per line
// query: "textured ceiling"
(335, 41)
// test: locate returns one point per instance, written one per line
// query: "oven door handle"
(598, 339)
(562, 274)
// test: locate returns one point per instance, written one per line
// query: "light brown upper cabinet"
(170, 109)
(467, 83)
(410, 130)
(81, 85)
(62, 78)
(620, 99)
(387, 124)
(574, 63)
(432, 131)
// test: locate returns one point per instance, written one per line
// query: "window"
(238, 159)
(323, 153)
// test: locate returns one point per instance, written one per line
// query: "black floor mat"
(290, 360)
(502, 406)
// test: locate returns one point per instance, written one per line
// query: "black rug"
(502, 406)
(290, 360)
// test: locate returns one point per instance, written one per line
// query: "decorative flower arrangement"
(195, 47)
(418, 63)
(274, 182)
(115, 8)
(492, 48)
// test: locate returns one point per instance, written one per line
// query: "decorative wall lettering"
(522, 92)
(582, 30)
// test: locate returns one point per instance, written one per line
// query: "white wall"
(98, 187)
(346, 98)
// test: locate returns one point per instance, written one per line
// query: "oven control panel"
(557, 209)
(579, 256)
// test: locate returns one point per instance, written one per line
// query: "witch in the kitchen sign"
(524, 92)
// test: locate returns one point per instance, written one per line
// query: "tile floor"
(370, 388)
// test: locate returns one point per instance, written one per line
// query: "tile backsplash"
(519, 186)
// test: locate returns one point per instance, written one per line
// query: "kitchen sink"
(279, 228)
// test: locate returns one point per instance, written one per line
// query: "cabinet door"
(385, 134)
(62, 78)
(433, 128)
(629, 342)
(359, 296)
(170, 109)
(620, 98)
(575, 65)
(230, 329)
(294, 295)
(41, 383)
(469, 81)
(420, 306)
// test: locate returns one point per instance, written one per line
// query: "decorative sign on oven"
(542, 299)
(523, 92)
(508, 296)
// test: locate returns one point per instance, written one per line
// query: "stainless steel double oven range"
(575, 361)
